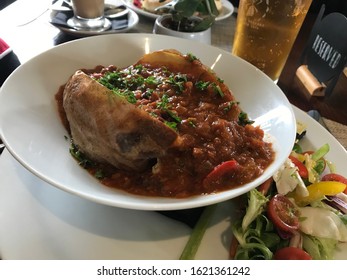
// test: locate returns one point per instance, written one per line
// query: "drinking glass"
(266, 31)
(89, 15)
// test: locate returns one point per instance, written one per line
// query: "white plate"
(32, 131)
(41, 222)
(133, 20)
(227, 10)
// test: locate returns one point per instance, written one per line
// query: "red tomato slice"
(337, 178)
(301, 167)
(265, 187)
(283, 213)
(220, 173)
(291, 253)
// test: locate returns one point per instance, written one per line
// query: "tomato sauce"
(211, 126)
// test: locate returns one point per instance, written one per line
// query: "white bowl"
(159, 28)
(33, 133)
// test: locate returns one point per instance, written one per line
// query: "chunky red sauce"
(212, 129)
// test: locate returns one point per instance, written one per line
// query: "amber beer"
(266, 31)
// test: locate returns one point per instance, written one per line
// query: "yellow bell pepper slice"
(318, 191)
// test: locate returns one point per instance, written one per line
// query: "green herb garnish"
(178, 81)
(163, 103)
(191, 57)
(99, 174)
(217, 89)
(79, 156)
(151, 80)
(172, 125)
(243, 119)
(201, 85)
(230, 105)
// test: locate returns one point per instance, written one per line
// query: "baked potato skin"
(107, 128)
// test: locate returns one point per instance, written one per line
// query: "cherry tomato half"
(303, 172)
(337, 178)
(283, 213)
(265, 187)
(291, 253)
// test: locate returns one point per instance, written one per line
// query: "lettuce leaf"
(319, 248)
(256, 204)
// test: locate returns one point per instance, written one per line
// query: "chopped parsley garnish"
(80, 157)
(191, 57)
(230, 105)
(111, 80)
(174, 116)
(243, 119)
(85, 162)
(220, 80)
(163, 103)
(120, 85)
(178, 81)
(99, 174)
(153, 114)
(217, 89)
(151, 80)
(172, 125)
(147, 94)
(127, 94)
(139, 67)
(201, 85)
(130, 96)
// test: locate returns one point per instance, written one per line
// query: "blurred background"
(331, 5)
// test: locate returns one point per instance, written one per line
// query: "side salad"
(299, 213)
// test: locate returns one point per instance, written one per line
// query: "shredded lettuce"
(255, 233)
(254, 251)
(321, 222)
(344, 219)
(257, 241)
(319, 248)
(256, 204)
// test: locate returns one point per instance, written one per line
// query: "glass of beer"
(89, 15)
(266, 31)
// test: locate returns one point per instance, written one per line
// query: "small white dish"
(32, 131)
(227, 10)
